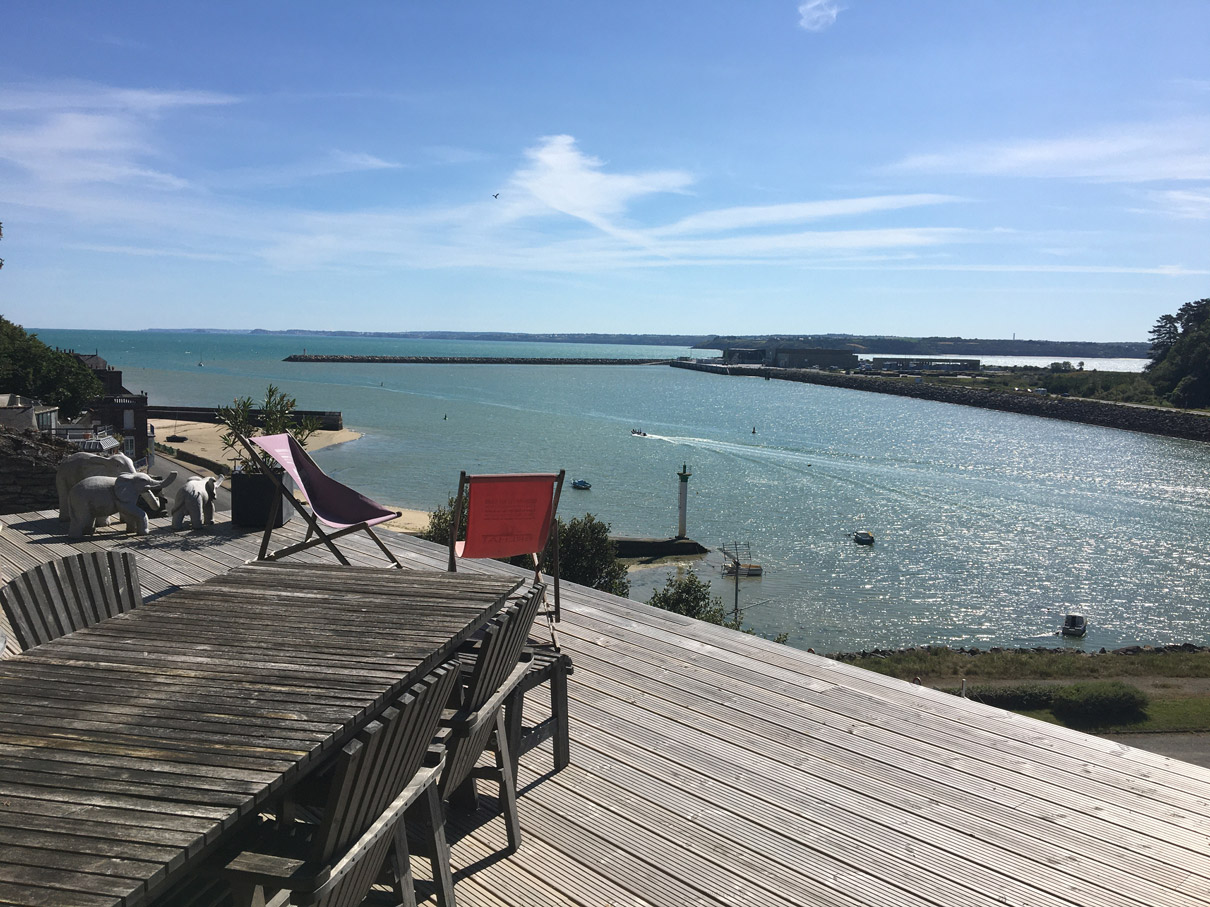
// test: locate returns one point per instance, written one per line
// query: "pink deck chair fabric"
(333, 504)
(508, 514)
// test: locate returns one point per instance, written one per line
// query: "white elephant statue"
(94, 499)
(82, 465)
(195, 499)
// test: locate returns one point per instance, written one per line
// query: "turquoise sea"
(990, 526)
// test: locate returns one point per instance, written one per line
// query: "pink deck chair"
(337, 506)
(508, 514)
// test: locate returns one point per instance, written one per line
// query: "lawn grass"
(939, 663)
(1164, 716)
(944, 668)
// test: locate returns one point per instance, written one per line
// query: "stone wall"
(28, 460)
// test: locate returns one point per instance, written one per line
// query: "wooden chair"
(68, 594)
(335, 505)
(508, 515)
(359, 831)
(493, 678)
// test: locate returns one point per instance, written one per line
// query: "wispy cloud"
(1136, 152)
(560, 177)
(1179, 203)
(772, 215)
(84, 96)
(817, 15)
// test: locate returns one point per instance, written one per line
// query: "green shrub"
(1099, 703)
(1025, 697)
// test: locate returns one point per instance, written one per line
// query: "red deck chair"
(337, 506)
(508, 514)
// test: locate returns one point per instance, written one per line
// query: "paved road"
(1193, 748)
(165, 464)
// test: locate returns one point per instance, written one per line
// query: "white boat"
(732, 569)
(1074, 625)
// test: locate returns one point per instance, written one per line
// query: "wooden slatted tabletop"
(127, 750)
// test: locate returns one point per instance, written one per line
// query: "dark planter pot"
(252, 497)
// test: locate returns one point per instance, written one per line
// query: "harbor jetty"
(468, 360)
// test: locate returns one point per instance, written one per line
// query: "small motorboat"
(637, 433)
(1074, 625)
(863, 538)
(581, 484)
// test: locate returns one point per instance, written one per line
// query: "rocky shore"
(1173, 423)
(974, 651)
(468, 360)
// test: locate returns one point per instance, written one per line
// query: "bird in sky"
(496, 195)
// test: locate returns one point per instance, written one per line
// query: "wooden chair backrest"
(499, 653)
(69, 594)
(501, 648)
(350, 885)
(373, 768)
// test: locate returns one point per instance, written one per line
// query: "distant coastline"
(858, 343)
(468, 360)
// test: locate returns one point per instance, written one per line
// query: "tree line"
(1180, 356)
(30, 368)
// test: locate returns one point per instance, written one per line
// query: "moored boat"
(581, 484)
(733, 569)
(1074, 625)
(863, 538)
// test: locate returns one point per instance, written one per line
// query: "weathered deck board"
(714, 768)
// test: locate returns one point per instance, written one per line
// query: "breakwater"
(468, 360)
(1172, 423)
(328, 421)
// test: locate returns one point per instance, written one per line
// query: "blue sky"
(968, 167)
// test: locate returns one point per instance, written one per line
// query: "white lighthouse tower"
(683, 502)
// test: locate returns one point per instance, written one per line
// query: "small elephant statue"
(96, 498)
(195, 499)
(82, 465)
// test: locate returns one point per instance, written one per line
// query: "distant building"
(24, 412)
(924, 363)
(788, 357)
(119, 410)
(742, 356)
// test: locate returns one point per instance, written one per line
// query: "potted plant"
(253, 494)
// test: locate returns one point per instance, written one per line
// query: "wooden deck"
(714, 768)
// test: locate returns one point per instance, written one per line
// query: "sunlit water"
(990, 526)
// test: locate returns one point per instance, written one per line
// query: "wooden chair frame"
(315, 534)
(494, 677)
(377, 778)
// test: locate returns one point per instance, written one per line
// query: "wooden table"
(129, 749)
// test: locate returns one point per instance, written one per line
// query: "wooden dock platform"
(711, 767)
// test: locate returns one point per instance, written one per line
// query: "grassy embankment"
(1177, 681)
(1117, 387)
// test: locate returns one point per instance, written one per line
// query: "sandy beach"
(203, 439)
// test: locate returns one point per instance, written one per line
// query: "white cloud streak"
(818, 15)
(771, 215)
(1133, 153)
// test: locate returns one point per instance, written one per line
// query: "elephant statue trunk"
(95, 498)
(80, 466)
